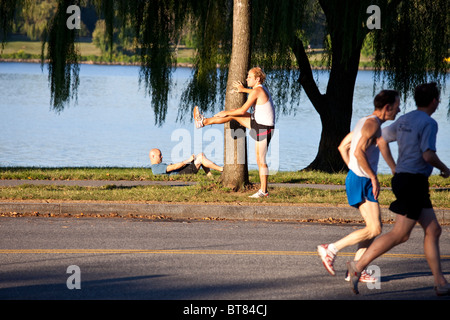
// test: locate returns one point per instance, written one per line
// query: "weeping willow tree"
(409, 49)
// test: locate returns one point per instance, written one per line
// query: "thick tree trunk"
(328, 158)
(235, 174)
(335, 110)
(335, 106)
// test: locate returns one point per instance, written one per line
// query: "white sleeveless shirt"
(265, 113)
(372, 152)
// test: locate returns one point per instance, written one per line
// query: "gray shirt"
(161, 168)
(415, 133)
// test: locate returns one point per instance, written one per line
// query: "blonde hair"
(257, 71)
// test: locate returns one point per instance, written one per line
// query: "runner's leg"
(261, 152)
(371, 214)
(432, 231)
(399, 234)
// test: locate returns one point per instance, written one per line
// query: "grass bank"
(89, 53)
(206, 190)
(142, 173)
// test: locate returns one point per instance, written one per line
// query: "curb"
(184, 211)
(200, 211)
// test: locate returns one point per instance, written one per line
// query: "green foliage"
(368, 46)
(413, 42)
(35, 16)
(99, 38)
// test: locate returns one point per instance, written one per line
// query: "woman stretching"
(261, 122)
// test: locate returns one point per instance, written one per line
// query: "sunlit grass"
(206, 190)
(145, 174)
(199, 193)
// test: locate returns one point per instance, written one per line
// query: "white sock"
(332, 248)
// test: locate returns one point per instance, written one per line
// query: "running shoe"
(327, 257)
(442, 290)
(198, 118)
(259, 194)
(354, 276)
(365, 277)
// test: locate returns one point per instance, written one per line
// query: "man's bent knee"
(372, 232)
(375, 231)
(399, 238)
(434, 231)
(199, 157)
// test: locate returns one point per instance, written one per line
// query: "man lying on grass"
(189, 166)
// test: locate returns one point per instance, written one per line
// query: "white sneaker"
(198, 118)
(327, 257)
(259, 194)
(365, 277)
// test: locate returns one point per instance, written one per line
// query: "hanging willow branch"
(7, 12)
(413, 43)
(276, 26)
(157, 24)
(213, 30)
(154, 30)
(63, 58)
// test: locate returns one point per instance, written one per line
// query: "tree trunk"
(335, 106)
(235, 173)
(335, 121)
(335, 112)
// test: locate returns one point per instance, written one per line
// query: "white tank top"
(265, 113)
(372, 152)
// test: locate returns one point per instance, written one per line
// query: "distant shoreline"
(115, 63)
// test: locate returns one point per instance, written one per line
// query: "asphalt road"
(122, 258)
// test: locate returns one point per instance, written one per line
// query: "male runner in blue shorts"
(415, 133)
(360, 150)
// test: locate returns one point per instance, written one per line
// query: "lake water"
(112, 125)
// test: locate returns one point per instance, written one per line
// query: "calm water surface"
(112, 124)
